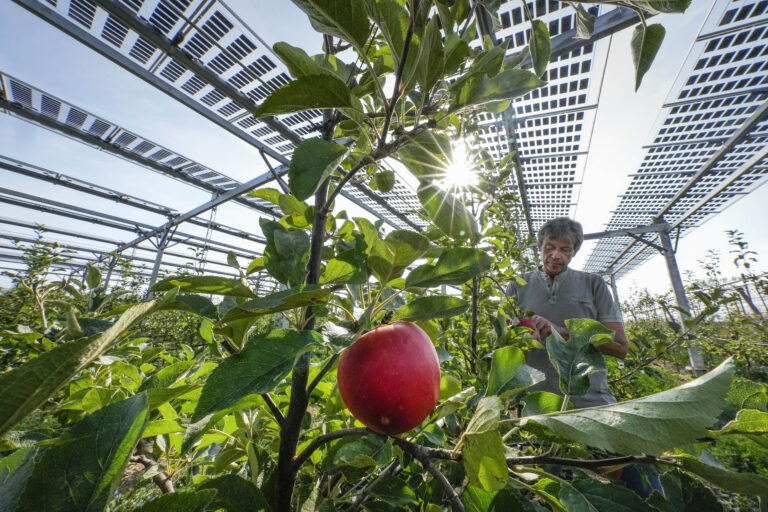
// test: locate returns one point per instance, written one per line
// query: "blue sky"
(38, 54)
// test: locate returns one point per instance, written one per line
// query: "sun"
(460, 173)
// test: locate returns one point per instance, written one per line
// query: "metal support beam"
(694, 354)
(653, 228)
(615, 290)
(162, 244)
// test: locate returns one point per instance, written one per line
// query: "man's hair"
(564, 228)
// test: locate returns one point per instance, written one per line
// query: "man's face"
(556, 254)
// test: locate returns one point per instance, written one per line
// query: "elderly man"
(556, 293)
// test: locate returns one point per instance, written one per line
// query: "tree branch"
(327, 438)
(162, 480)
(424, 456)
(396, 92)
(276, 412)
(327, 366)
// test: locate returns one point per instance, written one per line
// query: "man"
(556, 293)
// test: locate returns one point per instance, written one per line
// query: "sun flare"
(459, 173)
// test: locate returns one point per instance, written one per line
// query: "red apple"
(527, 322)
(389, 378)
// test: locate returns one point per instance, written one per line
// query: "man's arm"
(618, 348)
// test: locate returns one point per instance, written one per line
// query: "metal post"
(694, 354)
(161, 245)
(615, 291)
(110, 268)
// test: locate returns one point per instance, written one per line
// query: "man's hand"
(618, 348)
(544, 328)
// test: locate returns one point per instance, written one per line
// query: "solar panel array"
(201, 53)
(723, 84)
(553, 123)
(212, 36)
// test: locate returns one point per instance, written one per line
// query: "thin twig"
(396, 92)
(162, 480)
(423, 455)
(276, 412)
(392, 468)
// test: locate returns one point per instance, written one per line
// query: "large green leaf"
(236, 494)
(258, 368)
(308, 92)
(291, 298)
(578, 358)
(347, 267)
(215, 285)
(168, 376)
(741, 483)
(346, 19)
(542, 402)
(540, 46)
(483, 449)
(447, 211)
(286, 254)
(392, 19)
(748, 421)
(645, 45)
(426, 308)
(27, 387)
(427, 155)
(593, 496)
(507, 85)
(652, 424)
(456, 50)
(431, 59)
(390, 257)
(193, 304)
(478, 500)
(312, 162)
(92, 276)
(187, 501)
(456, 265)
(509, 373)
(83, 468)
(298, 62)
(15, 470)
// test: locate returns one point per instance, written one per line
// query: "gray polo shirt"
(572, 294)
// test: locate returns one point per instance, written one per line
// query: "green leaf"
(392, 18)
(348, 268)
(507, 85)
(456, 265)
(205, 284)
(741, 483)
(82, 470)
(585, 22)
(645, 45)
(312, 162)
(346, 19)
(308, 92)
(447, 211)
(258, 368)
(577, 358)
(427, 155)
(748, 421)
(193, 304)
(450, 385)
(390, 257)
(188, 501)
(454, 403)
(509, 373)
(652, 424)
(384, 180)
(15, 470)
(661, 6)
(159, 427)
(268, 194)
(298, 62)
(158, 396)
(168, 376)
(456, 51)
(593, 496)
(235, 494)
(395, 492)
(338, 336)
(540, 46)
(426, 308)
(29, 386)
(291, 298)
(286, 254)
(431, 59)
(484, 461)
(92, 276)
(542, 402)
(486, 417)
